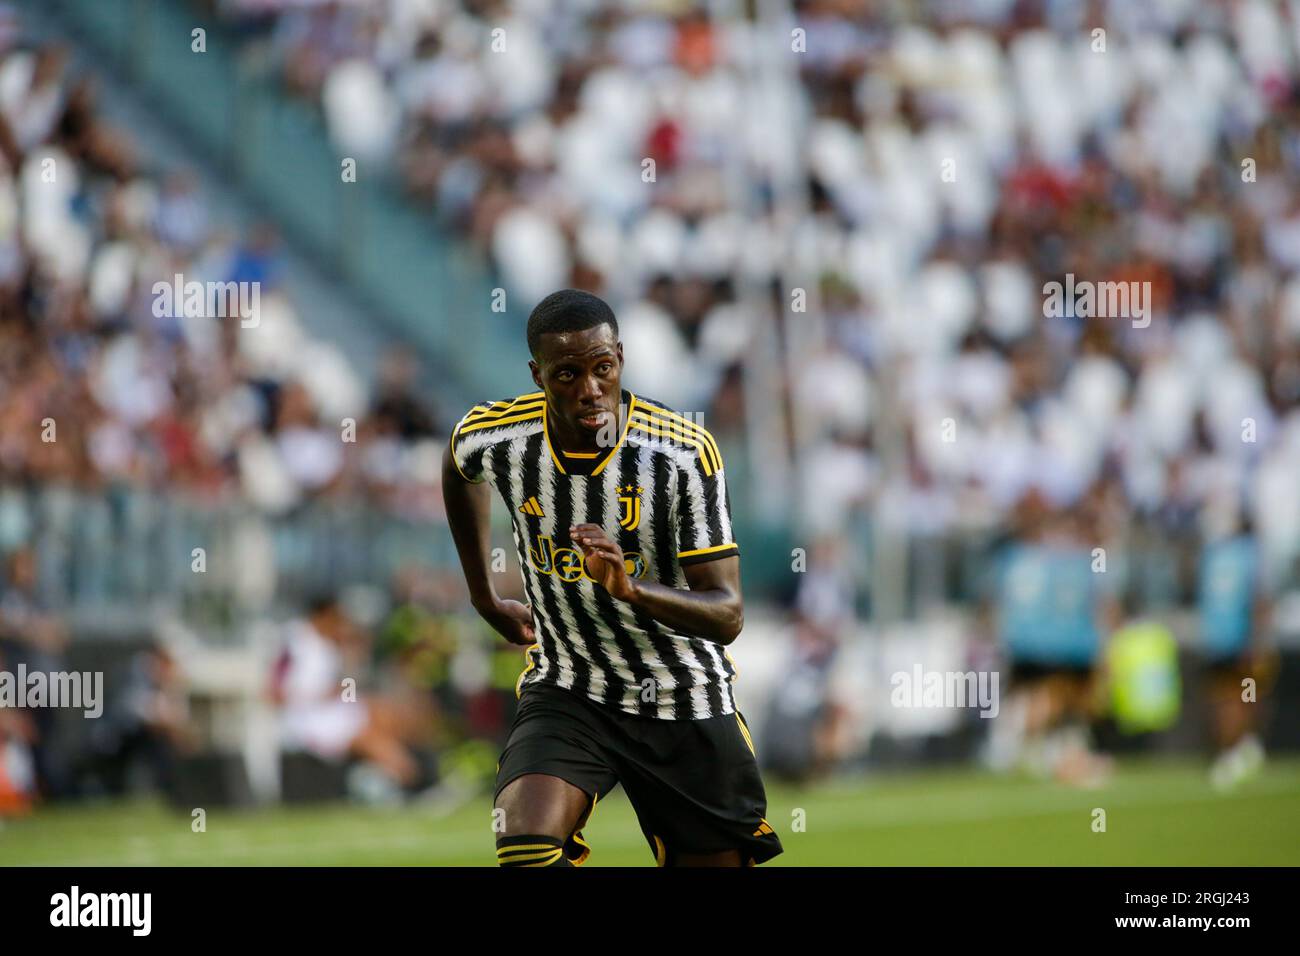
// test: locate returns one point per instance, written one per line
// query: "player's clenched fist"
(512, 620)
(604, 560)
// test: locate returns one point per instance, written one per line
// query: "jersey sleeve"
(468, 455)
(703, 508)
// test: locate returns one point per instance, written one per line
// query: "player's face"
(581, 374)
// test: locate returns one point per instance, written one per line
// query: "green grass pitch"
(1157, 813)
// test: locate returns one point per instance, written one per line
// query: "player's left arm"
(712, 609)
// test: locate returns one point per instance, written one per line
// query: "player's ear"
(619, 352)
(537, 372)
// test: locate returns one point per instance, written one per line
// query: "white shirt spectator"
(361, 112)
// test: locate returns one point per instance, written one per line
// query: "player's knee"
(520, 816)
(531, 850)
(535, 803)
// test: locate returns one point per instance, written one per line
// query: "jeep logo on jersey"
(567, 563)
(630, 499)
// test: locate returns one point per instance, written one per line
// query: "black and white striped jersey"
(660, 492)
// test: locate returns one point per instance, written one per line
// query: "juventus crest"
(630, 498)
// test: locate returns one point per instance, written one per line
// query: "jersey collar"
(558, 458)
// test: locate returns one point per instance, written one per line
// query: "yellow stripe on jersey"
(546, 433)
(691, 426)
(487, 408)
(713, 550)
(495, 413)
(744, 732)
(508, 420)
(500, 408)
(627, 424)
(532, 662)
(486, 416)
(688, 437)
(668, 431)
(631, 410)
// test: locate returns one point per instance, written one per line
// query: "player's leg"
(1076, 762)
(550, 775)
(540, 803)
(1232, 717)
(409, 716)
(1021, 730)
(387, 753)
(1239, 751)
(384, 738)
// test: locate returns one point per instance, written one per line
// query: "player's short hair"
(569, 310)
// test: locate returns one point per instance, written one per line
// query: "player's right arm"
(468, 507)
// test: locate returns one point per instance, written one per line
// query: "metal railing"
(113, 560)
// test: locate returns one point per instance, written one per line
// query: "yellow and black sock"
(531, 851)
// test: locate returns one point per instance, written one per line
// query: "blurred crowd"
(952, 158)
(925, 173)
(99, 385)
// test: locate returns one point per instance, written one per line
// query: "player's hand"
(513, 621)
(603, 559)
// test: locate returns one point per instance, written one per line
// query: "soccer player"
(623, 530)
(1234, 613)
(1051, 613)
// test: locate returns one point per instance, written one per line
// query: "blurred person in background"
(1234, 616)
(147, 725)
(1051, 615)
(17, 768)
(33, 636)
(417, 638)
(322, 715)
(427, 643)
(806, 735)
(1143, 683)
(397, 399)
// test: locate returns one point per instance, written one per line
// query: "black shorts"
(694, 784)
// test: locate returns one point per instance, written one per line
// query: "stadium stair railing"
(428, 287)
